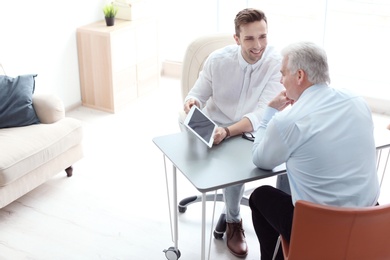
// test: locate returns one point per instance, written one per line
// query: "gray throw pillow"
(16, 107)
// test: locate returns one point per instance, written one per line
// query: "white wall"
(39, 37)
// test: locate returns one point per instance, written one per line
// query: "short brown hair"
(248, 15)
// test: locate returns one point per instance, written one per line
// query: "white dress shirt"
(228, 88)
(326, 139)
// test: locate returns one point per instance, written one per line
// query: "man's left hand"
(219, 135)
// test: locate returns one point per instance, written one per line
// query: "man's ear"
(300, 76)
(237, 39)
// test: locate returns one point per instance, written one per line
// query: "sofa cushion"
(16, 107)
(49, 108)
(31, 146)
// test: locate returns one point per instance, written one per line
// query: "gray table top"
(214, 168)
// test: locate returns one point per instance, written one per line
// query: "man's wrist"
(227, 132)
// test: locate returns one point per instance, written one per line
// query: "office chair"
(334, 223)
(195, 56)
(329, 232)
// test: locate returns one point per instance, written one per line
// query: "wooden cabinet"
(117, 63)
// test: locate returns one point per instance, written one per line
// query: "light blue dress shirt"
(326, 139)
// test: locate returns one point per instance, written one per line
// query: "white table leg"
(172, 253)
(203, 251)
(175, 220)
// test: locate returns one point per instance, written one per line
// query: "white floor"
(115, 205)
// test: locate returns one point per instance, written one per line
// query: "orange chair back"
(328, 232)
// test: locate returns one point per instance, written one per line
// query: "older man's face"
(289, 81)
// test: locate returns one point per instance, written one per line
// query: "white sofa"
(30, 155)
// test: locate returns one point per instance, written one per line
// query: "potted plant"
(110, 12)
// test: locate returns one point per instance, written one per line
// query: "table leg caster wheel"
(172, 253)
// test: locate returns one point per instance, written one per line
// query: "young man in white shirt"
(233, 89)
(326, 140)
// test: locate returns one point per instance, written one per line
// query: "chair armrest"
(49, 108)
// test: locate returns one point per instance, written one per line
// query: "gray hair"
(310, 58)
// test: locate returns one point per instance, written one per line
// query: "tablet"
(200, 125)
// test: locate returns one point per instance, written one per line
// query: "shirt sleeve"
(269, 150)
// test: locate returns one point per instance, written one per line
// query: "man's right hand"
(190, 102)
(281, 101)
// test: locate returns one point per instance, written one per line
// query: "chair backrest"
(328, 232)
(195, 56)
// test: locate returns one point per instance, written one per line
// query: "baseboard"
(73, 106)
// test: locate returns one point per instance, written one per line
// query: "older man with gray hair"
(326, 140)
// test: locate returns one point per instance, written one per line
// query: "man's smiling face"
(253, 40)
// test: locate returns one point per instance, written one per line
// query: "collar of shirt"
(244, 64)
(241, 60)
(311, 89)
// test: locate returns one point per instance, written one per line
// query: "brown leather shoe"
(236, 239)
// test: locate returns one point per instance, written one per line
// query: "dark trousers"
(272, 214)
